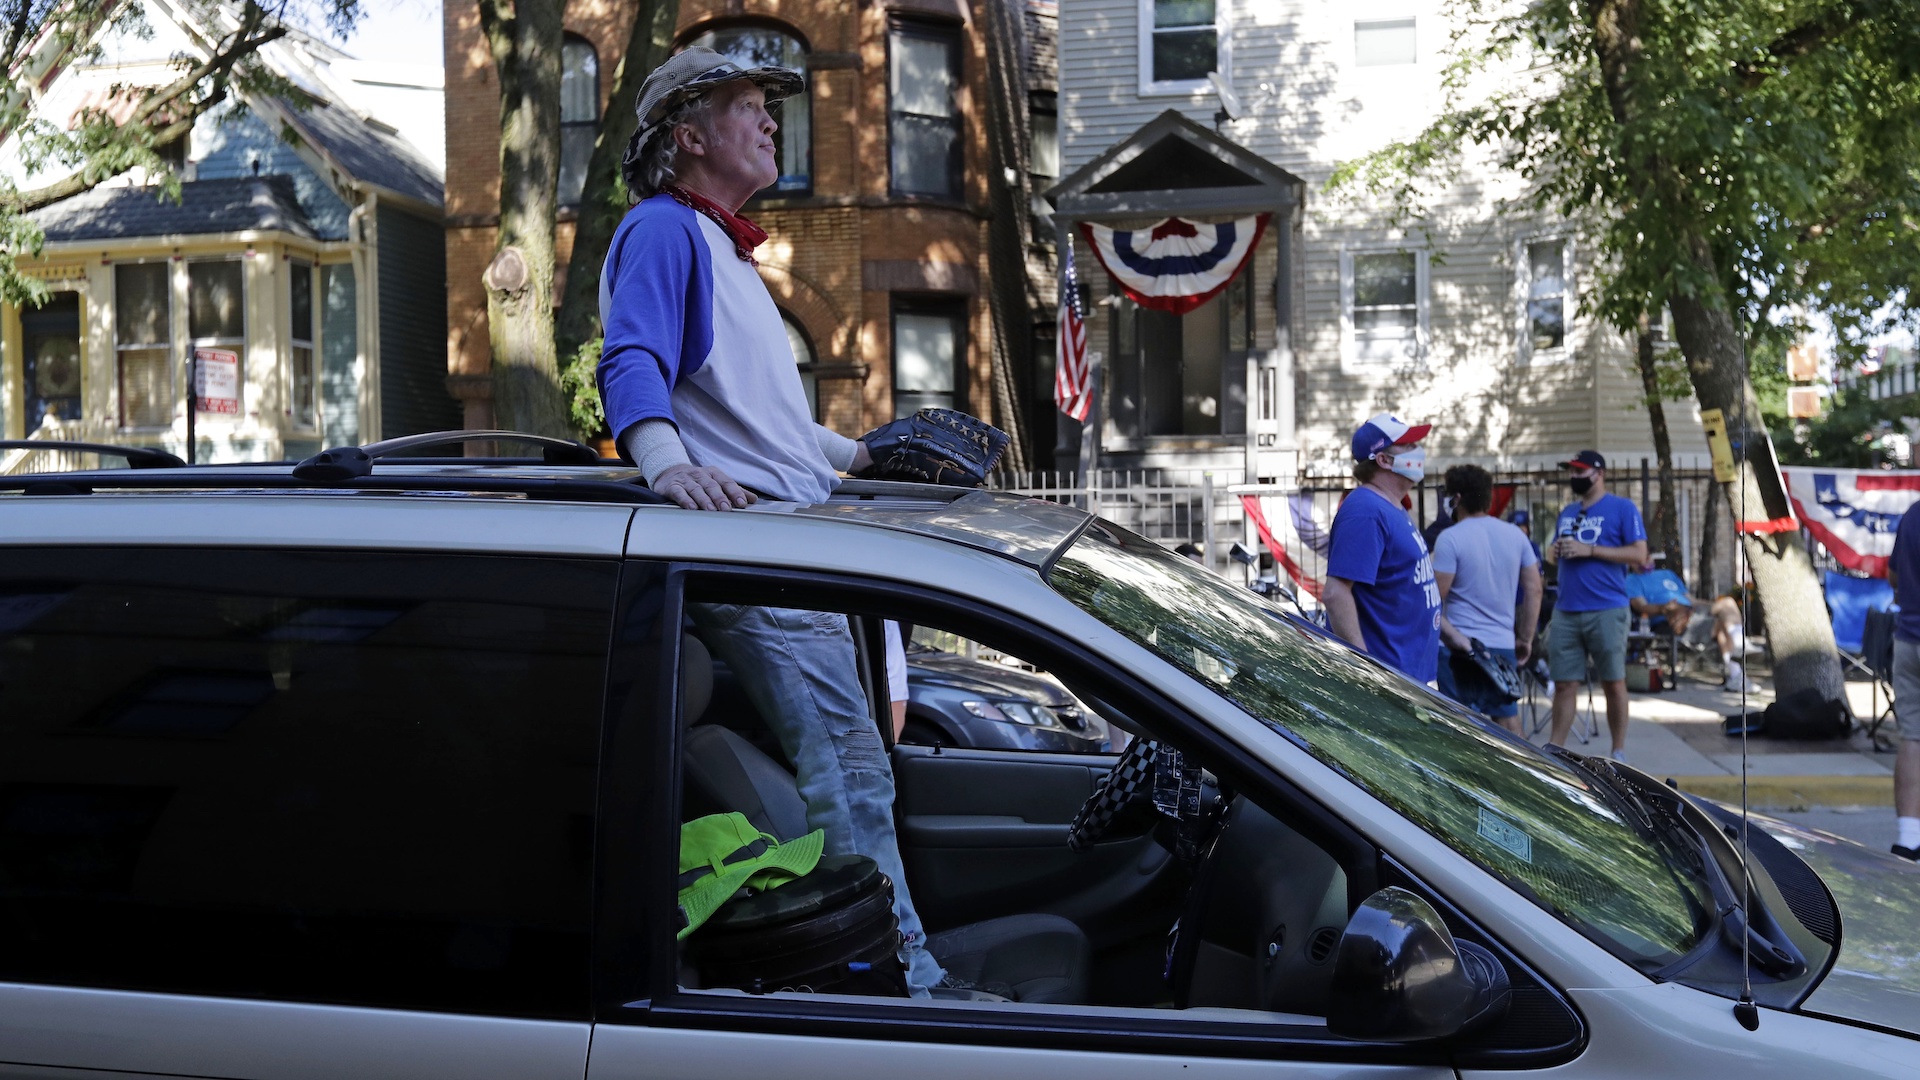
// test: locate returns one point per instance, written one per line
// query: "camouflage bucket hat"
(697, 71)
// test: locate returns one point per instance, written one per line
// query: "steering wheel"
(1130, 782)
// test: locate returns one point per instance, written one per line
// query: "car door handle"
(982, 831)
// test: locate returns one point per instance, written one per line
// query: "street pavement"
(1843, 786)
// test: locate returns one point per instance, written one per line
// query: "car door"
(287, 811)
(651, 1024)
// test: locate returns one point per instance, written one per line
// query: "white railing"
(23, 462)
(1169, 506)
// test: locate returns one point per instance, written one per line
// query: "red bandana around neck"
(745, 234)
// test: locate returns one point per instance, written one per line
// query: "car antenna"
(1744, 1010)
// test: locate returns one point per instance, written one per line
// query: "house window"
(808, 363)
(142, 322)
(1181, 374)
(929, 346)
(579, 114)
(1384, 294)
(766, 46)
(304, 382)
(924, 110)
(1182, 40)
(1043, 121)
(1384, 42)
(1546, 295)
(217, 319)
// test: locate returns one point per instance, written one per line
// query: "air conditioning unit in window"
(1803, 402)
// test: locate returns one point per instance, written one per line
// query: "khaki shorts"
(1906, 688)
(1573, 636)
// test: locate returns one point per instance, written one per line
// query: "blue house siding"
(243, 146)
(339, 348)
(413, 326)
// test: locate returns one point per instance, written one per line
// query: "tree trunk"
(526, 375)
(1801, 638)
(1010, 226)
(603, 202)
(1665, 528)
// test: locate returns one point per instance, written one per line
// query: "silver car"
(376, 767)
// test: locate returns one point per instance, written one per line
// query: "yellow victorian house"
(296, 287)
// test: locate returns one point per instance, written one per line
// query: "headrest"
(696, 679)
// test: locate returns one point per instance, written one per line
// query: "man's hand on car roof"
(702, 487)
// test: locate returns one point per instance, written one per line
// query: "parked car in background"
(955, 700)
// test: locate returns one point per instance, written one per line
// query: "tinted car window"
(358, 778)
(1521, 814)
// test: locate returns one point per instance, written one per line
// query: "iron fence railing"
(1205, 509)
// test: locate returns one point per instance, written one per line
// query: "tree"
(38, 37)
(524, 37)
(1740, 163)
(603, 202)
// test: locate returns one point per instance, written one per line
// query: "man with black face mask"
(1595, 540)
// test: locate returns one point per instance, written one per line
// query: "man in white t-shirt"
(1482, 564)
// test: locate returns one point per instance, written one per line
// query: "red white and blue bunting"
(1176, 265)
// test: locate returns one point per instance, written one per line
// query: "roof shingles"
(246, 204)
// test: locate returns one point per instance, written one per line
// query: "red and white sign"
(216, 381)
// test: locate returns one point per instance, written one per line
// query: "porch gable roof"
(206, 207)
(1211, 175)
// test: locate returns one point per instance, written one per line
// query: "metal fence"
(1204, 508)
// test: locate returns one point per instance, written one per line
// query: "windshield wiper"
(1663, 812)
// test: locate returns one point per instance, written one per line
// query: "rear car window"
(359, 778)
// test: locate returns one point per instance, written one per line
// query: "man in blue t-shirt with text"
(1595, 540)
(1381, 595)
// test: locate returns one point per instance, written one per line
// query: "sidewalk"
(1677, 734)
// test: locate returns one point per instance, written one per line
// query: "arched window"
(766, 46)
(579, 114)
(803, 356)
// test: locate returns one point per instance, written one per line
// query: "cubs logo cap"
(1383, 431)
(1586, 459)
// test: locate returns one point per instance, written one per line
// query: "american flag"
(1071, 376)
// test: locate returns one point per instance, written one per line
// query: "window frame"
(949, 35)
(955, 307)
(238, 345)
(1223, 52)
(644, 990)
(1524, 352)
(809, 368)
(1350, 361)
(701, 34)
(168, 346)
(590, 125)
(1411, 21)
(311, 343)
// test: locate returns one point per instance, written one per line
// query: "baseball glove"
(934, 446)
(1491, 668)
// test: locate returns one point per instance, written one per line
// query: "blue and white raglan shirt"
(693, 338)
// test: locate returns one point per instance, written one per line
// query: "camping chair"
(1849, 599)
(1876, 648)
(1854, 602)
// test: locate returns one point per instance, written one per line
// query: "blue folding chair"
(1849, 599)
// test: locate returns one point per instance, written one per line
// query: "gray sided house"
(1213, 109)
(302, 269)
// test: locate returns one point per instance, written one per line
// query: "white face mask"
(1411, 464)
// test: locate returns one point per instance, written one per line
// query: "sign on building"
(216, 381)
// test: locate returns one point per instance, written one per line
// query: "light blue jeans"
(800, 670)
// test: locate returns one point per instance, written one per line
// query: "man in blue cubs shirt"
(1595, 540)
(1381, 595)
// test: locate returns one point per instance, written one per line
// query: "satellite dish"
(1229, 101)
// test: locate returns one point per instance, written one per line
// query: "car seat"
(1031, 958)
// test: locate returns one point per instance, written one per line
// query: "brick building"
(878, 224)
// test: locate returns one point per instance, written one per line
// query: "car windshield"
(1527, 817)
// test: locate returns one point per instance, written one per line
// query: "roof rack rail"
(138, 457)
(355, 462)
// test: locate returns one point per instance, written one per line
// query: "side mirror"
(1399, 976)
